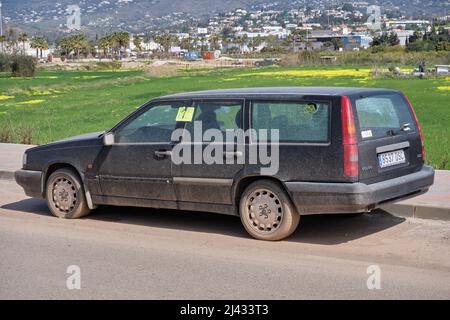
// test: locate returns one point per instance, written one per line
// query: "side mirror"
(108, 139)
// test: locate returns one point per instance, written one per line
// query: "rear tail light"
(418, 127)
(349, 140)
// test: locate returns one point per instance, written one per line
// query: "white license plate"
(390, 159)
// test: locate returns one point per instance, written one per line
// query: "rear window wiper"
(404, 128)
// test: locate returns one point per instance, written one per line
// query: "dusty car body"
(340, 150)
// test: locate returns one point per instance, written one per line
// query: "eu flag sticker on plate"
(185, 114)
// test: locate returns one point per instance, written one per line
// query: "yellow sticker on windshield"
(185, 114)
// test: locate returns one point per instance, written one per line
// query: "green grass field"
(59, 104)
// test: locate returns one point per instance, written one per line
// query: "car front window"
(154, 125)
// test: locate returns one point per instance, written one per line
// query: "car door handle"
(161, 154)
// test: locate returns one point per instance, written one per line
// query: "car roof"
(271, 91)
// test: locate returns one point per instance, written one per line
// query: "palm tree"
(64, 45)
(121, 40)
(76, 43)
(11, 39)
(39, 43)
(186, 44)
(240, 41)
(138, 43)
(79, 43)
(23, 37)
(214, 42)
(165, 41)
(106, 43)
(44, 46)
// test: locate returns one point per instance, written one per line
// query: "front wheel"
(266, 211)
(65, 195)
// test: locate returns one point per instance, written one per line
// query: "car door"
(204, 180)
(138, 164)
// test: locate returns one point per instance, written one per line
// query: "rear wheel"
(65, 195)
(266, 211)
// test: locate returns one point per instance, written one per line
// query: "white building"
(403, 36)
(202, 31)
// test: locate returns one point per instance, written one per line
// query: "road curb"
(418, 211)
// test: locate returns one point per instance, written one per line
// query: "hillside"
(143, 15)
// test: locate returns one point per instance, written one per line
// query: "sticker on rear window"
(185, 114)
(366, 134)
(311, 108)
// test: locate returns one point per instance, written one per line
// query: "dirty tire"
(266, 211)
(65, 195)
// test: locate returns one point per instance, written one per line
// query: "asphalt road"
(154, 254)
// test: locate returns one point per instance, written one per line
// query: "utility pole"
(1, 20)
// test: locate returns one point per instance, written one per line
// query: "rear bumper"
(31, 182)
(316, 198)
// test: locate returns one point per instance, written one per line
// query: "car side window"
(223, 116)
(153, 125)
(295, 121)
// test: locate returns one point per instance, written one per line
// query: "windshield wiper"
(404, 128)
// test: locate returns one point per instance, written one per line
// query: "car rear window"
(379, 115)
(295, 121)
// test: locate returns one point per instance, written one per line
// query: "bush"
(23, 66)
(114, 65)
(304, 58)
(443, 46)
(5, 63)
(398, 49)
(378, 49)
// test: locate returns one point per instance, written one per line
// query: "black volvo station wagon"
(329, 150)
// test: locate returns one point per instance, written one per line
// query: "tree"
(106, 43)
(39, 43)
(379, 40)
(214, 42)
(23, 37)
(2, 41)
(415, 37)
(393, 39)
(337, 43)
(75, 43)
(386, 39)
(121, 41)
(226, 32)
(11, 39)
(65, 46)
(165, 40)
(186, 44)
(138, 43)
(79, 43)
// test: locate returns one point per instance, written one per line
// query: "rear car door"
(138, 164)
(206, 180)
(389, 139)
